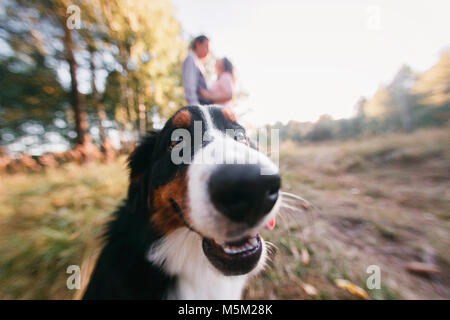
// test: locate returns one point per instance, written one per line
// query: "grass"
(50, 220)
(381, 200)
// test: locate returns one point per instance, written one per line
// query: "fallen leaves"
(294, 252)
(309, 289)
(305, 256)
(422, 268)
(352, 288)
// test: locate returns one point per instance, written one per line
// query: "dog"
(189, 226)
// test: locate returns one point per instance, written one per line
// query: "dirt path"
(381, 201)
(391, 216)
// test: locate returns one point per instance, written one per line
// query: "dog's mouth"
(234, 258)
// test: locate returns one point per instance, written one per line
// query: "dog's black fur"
(122, 270)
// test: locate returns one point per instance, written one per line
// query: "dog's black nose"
(242, 193)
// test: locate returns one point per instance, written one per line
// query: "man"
(193, 71)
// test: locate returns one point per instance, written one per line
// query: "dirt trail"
(391, 215)
(380, 200)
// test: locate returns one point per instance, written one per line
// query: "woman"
(221, 92)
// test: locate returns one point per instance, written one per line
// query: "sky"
(298, 60)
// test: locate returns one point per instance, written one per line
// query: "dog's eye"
(173, 143)
(239, 136)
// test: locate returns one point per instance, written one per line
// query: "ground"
(381, 201)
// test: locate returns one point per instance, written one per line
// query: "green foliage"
(145, 38)
(136, 44)
(30, 91)
(433, 86)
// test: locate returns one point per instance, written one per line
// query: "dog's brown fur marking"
(182, 119)
(228, 114)
(164, 217)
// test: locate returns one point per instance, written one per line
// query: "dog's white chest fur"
(181, 254)
(208, 287)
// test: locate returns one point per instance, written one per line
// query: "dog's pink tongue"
(271, 224)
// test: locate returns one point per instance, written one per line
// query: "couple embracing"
(196, 90)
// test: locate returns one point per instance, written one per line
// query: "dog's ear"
(140, 159)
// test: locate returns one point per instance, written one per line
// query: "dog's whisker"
(288, 193)
(282, 217)
(294, 212)
(271, 245)
(286, 196)
(298, 214)
(288, 217)
(288, 206)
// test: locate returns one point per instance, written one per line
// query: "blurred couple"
(196, 90)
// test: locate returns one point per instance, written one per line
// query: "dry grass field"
(381, 201)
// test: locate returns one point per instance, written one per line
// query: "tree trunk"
(81, 124)
(142, 117)
(101, 116)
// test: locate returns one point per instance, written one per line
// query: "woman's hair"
(198, 39)
(228, 66)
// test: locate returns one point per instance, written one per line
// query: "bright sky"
(300, 59)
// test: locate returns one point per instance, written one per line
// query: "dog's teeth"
(251, 244)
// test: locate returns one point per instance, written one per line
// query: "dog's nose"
(242, 193)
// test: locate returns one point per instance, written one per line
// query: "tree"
(43, 22)
(149, 52)
(380, 104)
(31, 97)
(392, 105)
(433, 86)
(401, 98)
(322, 129)
(136, 43)
(81, 124)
